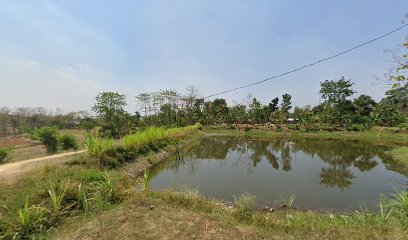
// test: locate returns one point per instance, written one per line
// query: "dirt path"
(10, 171)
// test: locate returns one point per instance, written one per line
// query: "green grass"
(112, 155)
(154, 134)
(142, 138)
(97, 146)
(45, 198)
(400, 156)
(377, 135)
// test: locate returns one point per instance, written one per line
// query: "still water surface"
(322, 174)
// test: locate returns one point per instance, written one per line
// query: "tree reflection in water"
(340, 156)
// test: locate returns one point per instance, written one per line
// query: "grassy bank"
(377, 135)
(188, 215)
(400, 155)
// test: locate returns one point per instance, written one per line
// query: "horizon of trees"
(171, 108)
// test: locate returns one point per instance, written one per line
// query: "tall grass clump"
(97, 146)
(32, 221)
(154, 134)
(140, 139)
(398, 204)
(176, 131)
(288, 201)
(244, 207)
(57, 194)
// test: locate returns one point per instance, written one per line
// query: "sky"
(60, 54)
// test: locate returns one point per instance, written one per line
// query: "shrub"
(244, 207)
(3, 154)
(49, 137)
(355, 128)
(114, 157)
(68, 142)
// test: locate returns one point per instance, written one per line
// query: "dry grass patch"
(146, 219)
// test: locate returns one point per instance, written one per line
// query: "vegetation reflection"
(339, 156)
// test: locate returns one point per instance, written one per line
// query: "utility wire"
(313, 63)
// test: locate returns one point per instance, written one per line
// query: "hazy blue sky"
(62, 53)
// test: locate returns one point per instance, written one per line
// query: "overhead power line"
(313, 63)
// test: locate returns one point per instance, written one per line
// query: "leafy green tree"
(397, 98)
(219, 109)
(198, 110)
(110, 108)
(336, 92)
(386, 115)
(273, 106)
(238, 114)
(337, 108)
(305, 117)
(257, 112)
(286, 105)
(365, 105)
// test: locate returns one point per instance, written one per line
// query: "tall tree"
(365, 105)
(110, 107)
(336, 92)
(286, 105)
(257, 111)
(273, 105)
(144, 99)
(338, 109)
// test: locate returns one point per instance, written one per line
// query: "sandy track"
(10, 171)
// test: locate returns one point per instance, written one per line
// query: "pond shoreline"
(277, 170)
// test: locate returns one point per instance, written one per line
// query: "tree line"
(171, 108)
(27, 119)
(337, 111)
